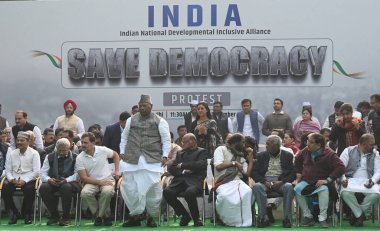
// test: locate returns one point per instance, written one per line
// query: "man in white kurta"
(362, 163)
(144, 147)
(234, 196)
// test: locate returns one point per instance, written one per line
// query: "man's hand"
(321, 182)
(164, 160)
(62, 181)
(250, 154)
(21, 183)
(268, 184)
(344, 183)
(369, 184)
(53, 182)
(179, 165)
(277, 184)
(298, 177)
(105, 182)
(116, 175)
(239, 166)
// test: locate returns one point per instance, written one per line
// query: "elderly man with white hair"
(58, 174)
(22, 168)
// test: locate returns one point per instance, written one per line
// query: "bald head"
(189, 141)
(367, 143)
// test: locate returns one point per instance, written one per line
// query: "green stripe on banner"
(340, 68)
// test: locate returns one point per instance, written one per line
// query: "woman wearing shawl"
(234, 197)
(306, 125)
(205, 129)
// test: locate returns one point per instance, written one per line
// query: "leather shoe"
(107, 221)
(352, 219)
(198, 223)
(52, 221)
(98, 221)
(360, 220)
(64, 222)
(13, 218)
(185, 220)
(286, 223)
(150, 222)
(263, 223)
(270, 213)
(27, 219)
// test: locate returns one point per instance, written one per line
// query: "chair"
(19, 193)
(165, 181)
(76, 196)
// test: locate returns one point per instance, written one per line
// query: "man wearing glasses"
(317, 168)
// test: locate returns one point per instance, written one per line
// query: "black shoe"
(270, 214)
(107, 221)
(27, 219)
(65, 222)
(185, 220)
(52, 221)
(198, 223)
(263, 223)
(286, 223)
(132, 223)
(13, 217)
(352, 219)
(360, 220)
(150, 222)
(98, 221)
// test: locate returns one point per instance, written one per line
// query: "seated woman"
(306, 125)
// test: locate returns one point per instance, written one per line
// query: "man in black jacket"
(189, 170)
(273, 174)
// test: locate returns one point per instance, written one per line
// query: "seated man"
(234, 197)
(317, 167)
(274, 174)
(93, 170)
(58, 175)
(361, 178)
(21, 168)
(189, 170)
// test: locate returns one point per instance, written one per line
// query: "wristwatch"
(233, 163)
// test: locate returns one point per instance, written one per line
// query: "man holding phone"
(58, 174)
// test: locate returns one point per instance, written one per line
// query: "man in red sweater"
(317, 167)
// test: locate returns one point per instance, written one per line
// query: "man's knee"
(259, 187)
(66, 188)
(288, 187)
(107, 192)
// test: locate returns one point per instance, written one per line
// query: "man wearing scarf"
(232, 192)
(347, 130)
(189, 170)
(317, 167)
(58, 175)
(362, 174)
(69, 120)
(274, 174)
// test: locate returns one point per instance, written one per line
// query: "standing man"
(135, 109)
(248, 121)
(112, 134)
(93, 170)
(181, 131)
(277, 119)
(22, 124)
(21, 168)
(317, 167)
(374, 117)
(69, 120)
(331, 119)
(144, 147)
(59, 175)
(189, 170)
(223, 122)
(274, 174)
(361, 178)
(192, 115)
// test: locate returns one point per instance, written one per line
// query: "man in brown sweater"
(317, 167)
